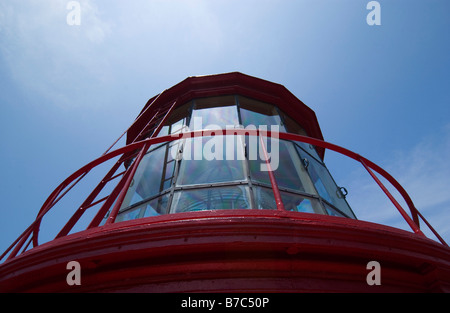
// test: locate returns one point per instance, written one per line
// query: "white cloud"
(425, 174)
(115, 41)
(423, 171)
(96, 29)
(45, 55)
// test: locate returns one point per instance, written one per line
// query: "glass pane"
(325, 185)
(293, 127)
(309, 148)
(288, 169)
(258, 113)
(298, 203)
(213, 113)
(332, 211)
(153, 207)
(212, 160)
(220, 198)
(157, 206)
(153, 175)
(129, 215)
(265, 199)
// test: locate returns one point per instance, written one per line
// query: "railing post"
(432, 229)
(77, 215)
(407, 218)
(273, 182)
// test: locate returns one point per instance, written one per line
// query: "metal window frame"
(321, 163)
(172, 208)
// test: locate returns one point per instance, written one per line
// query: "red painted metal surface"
(234, 251)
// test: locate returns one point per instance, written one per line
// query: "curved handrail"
(369, 165)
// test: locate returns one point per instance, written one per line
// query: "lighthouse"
(221, 186)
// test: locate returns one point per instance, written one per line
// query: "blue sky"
(67, 92)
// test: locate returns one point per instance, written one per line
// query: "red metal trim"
(273, 181)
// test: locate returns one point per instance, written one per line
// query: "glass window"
(214, 159)
(129, 215)
(293, 127)
(298, 203)
(212, 113)
(285, 162)
(332, 211)
(325, 185)
(310, 149)
(265, 199)
(219, 198)
(153, 207)
(258, 113)
(177, 120)
(153, 175)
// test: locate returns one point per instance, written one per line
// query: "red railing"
(138, 150)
